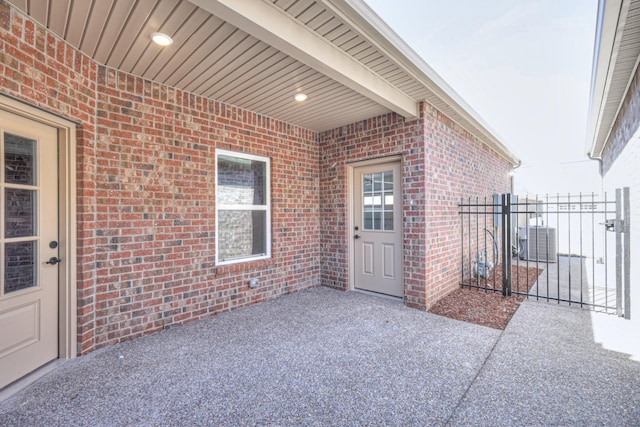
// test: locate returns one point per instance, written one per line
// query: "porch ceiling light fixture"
(300, 97)
(161, 39)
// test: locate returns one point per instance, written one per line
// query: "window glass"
(243, 234)
(241, 181)
(377, 201)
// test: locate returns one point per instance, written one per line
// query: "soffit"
(258, 54)
(615, 64)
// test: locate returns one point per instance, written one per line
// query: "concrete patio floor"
(325, 357)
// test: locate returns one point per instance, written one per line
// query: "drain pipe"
(600, 169)
(511, 175)
(597, 159)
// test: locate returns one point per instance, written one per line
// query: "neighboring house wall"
(620, 161)
(441, 163)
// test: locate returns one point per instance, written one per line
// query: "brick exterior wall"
(146, 196)
(146, 173)
(441, 163)
(42, 70)
(625, 126)
(457, 166)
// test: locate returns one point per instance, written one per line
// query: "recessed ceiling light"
(161, 39)
(300, 97)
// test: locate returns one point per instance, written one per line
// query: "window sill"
(242, 266)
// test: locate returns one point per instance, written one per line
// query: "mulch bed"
(485, 307)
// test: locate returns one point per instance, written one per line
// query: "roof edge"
(375, 29)
(607, 36)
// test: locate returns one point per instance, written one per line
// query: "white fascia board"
(293, 38)
(388, 41)
(609, 28)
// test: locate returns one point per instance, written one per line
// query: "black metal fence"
(572, 249)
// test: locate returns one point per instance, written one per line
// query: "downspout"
(600, 170)
(597, 159)
(511, 175)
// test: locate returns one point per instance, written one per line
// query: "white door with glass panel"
(28, 246)
(377, 229)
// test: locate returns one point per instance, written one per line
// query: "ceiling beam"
(267, 23)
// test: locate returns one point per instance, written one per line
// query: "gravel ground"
(325, 357)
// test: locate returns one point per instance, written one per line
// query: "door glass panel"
(19, 213)
(19, 266)
(377, 201)
(388, 220)
(19, 220)
(19, 160)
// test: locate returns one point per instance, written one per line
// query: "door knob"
(356, 236)
(53, 261)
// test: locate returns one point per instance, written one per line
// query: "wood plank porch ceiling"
(257, 54)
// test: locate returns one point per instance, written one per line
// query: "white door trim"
(67, 313)
(351, 208)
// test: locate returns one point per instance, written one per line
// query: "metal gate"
(579, 246)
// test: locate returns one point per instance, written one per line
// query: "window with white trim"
(243, 207)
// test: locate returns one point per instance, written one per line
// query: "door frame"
(351, 168)
(67, 214)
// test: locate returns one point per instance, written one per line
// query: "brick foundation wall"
(146, 173)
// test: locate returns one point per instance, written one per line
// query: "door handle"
(356, 236)
(53, 261)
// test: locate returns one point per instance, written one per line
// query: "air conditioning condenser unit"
(538, 244)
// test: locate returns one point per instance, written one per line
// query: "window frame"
(251, 208)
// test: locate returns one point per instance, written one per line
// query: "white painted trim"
(265, 22)
(67, 321)
(267, 208)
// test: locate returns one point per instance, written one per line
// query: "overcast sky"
(524, 66)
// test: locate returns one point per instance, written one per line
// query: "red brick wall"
(37, 67)
(146, 174)
(441, 163)
(145, 182)
(457, 166)
(156, 214)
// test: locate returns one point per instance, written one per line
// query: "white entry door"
(28, 246)
(377, 229)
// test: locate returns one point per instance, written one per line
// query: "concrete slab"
(325, 357)
(321, 357)
(576, 282)
(546, 369)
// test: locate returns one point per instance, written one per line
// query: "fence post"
(506, 245)
(627, 253)
(619, 251)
